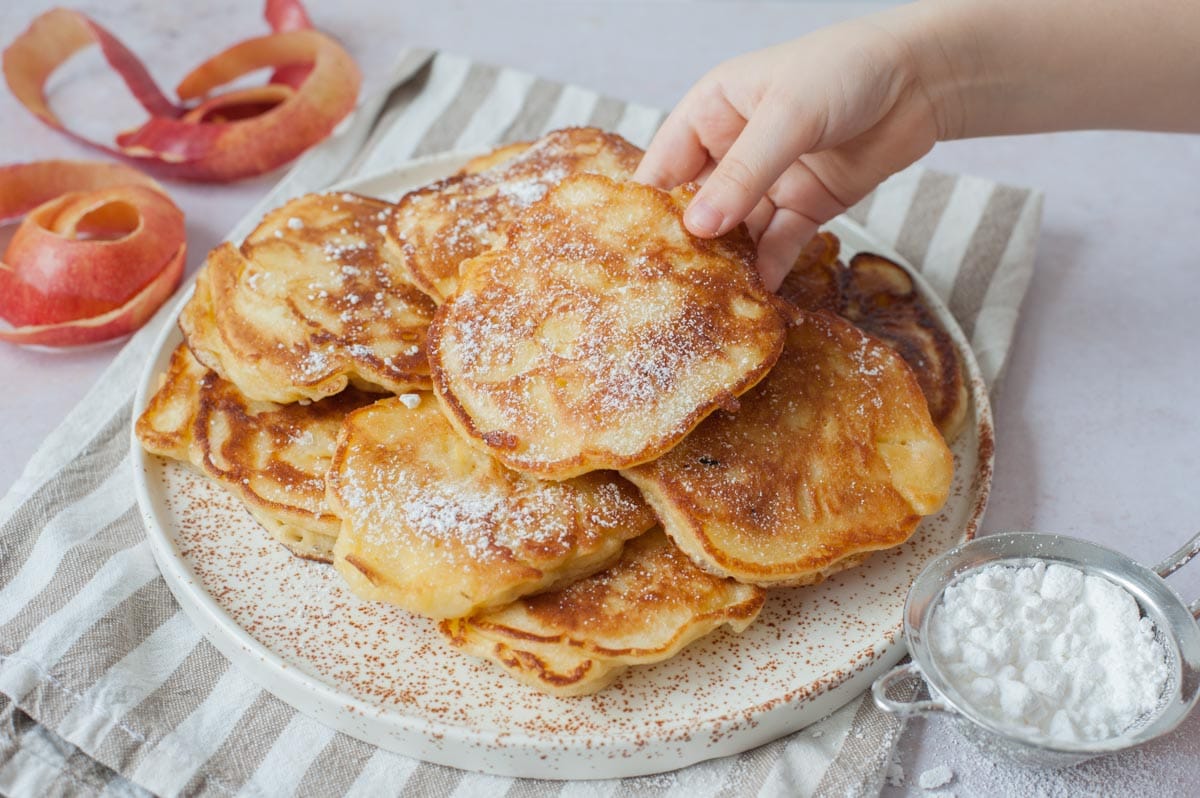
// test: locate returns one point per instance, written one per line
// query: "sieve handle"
(1176, 561)
(903, 709)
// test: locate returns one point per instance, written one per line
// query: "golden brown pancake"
(831, 457)
(165, 426)
(272, 457)
(312, 301)
(490, 160)
(601, 332)
(443, 530)
(879, 296)
(815, 281)
(437, 227)
(578, 639)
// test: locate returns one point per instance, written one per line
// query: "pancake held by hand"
(879, 297)
(577, 640)
(831, 457)
(272, 457)
(312, 301)
(439, 226)
(602, 332)
(443, 530)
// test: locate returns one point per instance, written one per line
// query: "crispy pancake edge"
(819, 280)
(236, 348)
(307, 535)
(591, 667)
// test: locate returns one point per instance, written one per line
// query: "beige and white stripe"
(105, 688)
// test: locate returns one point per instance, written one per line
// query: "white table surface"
(1097, 432)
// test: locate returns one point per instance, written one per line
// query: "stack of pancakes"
(525, 402)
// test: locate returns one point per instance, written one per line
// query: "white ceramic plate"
(384, 676)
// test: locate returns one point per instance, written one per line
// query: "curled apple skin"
(113, 324)
(100, 247)
(208, 136)
(85, 253)
(291, 120)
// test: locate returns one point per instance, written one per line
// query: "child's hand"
(789, 137)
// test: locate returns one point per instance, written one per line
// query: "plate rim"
(307, 692)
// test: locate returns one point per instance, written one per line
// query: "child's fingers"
(781, 243)
(805, 188)
(774, 137)
(675, 154)
(801, 201)
(760, 217)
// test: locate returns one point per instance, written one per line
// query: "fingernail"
(703, 219)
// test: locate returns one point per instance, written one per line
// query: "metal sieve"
(1174, 623)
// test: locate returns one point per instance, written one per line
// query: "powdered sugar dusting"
(526, 191)
(1159, 769)
(314, 364)
(935, 777)
(1049, 651)
(600, 325)
(486, 519)
(470, 212)
(335, 304)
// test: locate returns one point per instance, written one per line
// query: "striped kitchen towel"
(105, 686)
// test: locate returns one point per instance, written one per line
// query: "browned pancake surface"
(273, 457)
(576, 640)
(310, 302)
(442, 529)
(831, 457)
(490, 160)
(437, 227)
(165, 427)
(602, 331)
(879, 296)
